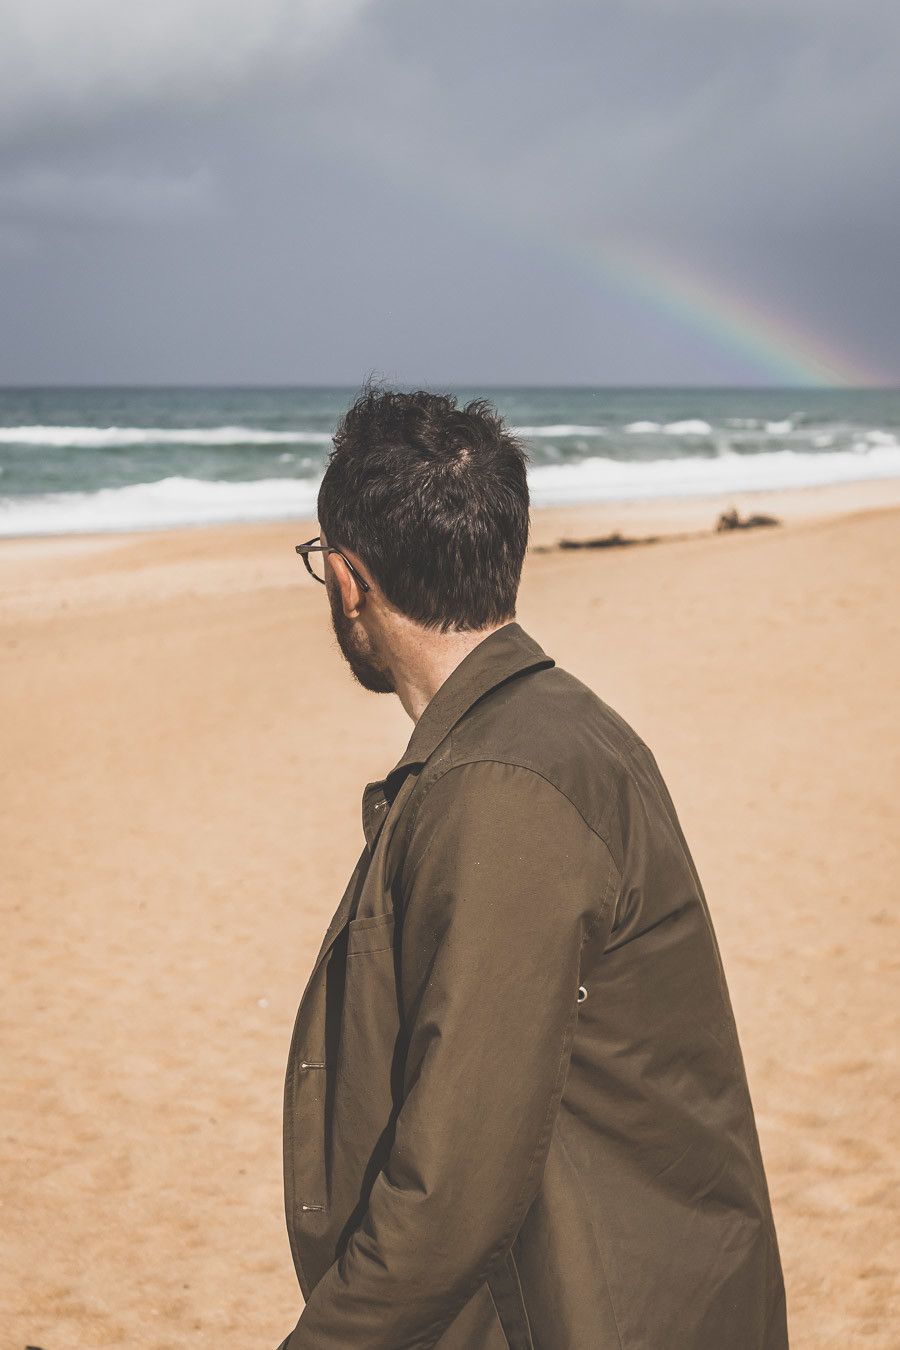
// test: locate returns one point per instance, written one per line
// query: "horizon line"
(459, 384)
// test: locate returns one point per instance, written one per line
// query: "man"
(516, 1111)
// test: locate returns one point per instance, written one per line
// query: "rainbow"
(774, 344)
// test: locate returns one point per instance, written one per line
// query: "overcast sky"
(304, 191)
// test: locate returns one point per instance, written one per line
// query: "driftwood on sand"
(608, 541)
(728, 520)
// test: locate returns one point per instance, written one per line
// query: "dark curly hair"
(434, 499)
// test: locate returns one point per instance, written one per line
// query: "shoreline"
(804, 500)
(43, 575)
(104, 566)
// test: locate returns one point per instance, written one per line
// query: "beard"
(356, 649)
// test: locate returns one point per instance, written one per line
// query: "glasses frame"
(313, 546)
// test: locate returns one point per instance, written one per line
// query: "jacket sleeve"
(502, 882)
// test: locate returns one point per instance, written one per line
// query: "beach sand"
(185, 756)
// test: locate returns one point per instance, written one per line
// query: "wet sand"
(185, 756)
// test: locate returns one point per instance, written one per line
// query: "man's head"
(430, 502)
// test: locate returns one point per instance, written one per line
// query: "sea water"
(85, 459)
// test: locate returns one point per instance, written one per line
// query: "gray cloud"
(322, 188)
(88, 60)
(106, 197)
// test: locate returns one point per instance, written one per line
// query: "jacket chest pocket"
(367, 1043)
(375, 933)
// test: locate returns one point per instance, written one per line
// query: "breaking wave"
(180, 500)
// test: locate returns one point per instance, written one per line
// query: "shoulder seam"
(528, 768)
(615, 879)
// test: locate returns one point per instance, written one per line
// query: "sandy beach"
(185, 755)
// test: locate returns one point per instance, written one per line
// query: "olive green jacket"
(516, 1115)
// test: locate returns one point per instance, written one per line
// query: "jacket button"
(582, 993)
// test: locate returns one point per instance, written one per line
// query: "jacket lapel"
(507, 651)
(371, 856)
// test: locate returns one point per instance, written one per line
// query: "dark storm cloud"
(208, 190)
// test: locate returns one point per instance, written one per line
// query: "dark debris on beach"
(608, 541)
(728, 520)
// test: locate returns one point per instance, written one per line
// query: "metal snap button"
(582, 993)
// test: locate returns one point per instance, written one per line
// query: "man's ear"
(351, 593)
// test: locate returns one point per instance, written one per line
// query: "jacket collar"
(505, 652)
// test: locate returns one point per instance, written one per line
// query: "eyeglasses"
(313, 546)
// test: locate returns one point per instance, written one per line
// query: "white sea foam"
(98, 438)
(600, 479)
(693, 426)
(563, 429)
(147, 506)
(188, 501)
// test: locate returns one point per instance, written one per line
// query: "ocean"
(106, 459)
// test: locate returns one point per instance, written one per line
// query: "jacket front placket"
(305, 1142)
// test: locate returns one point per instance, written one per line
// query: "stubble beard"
(350, 637)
